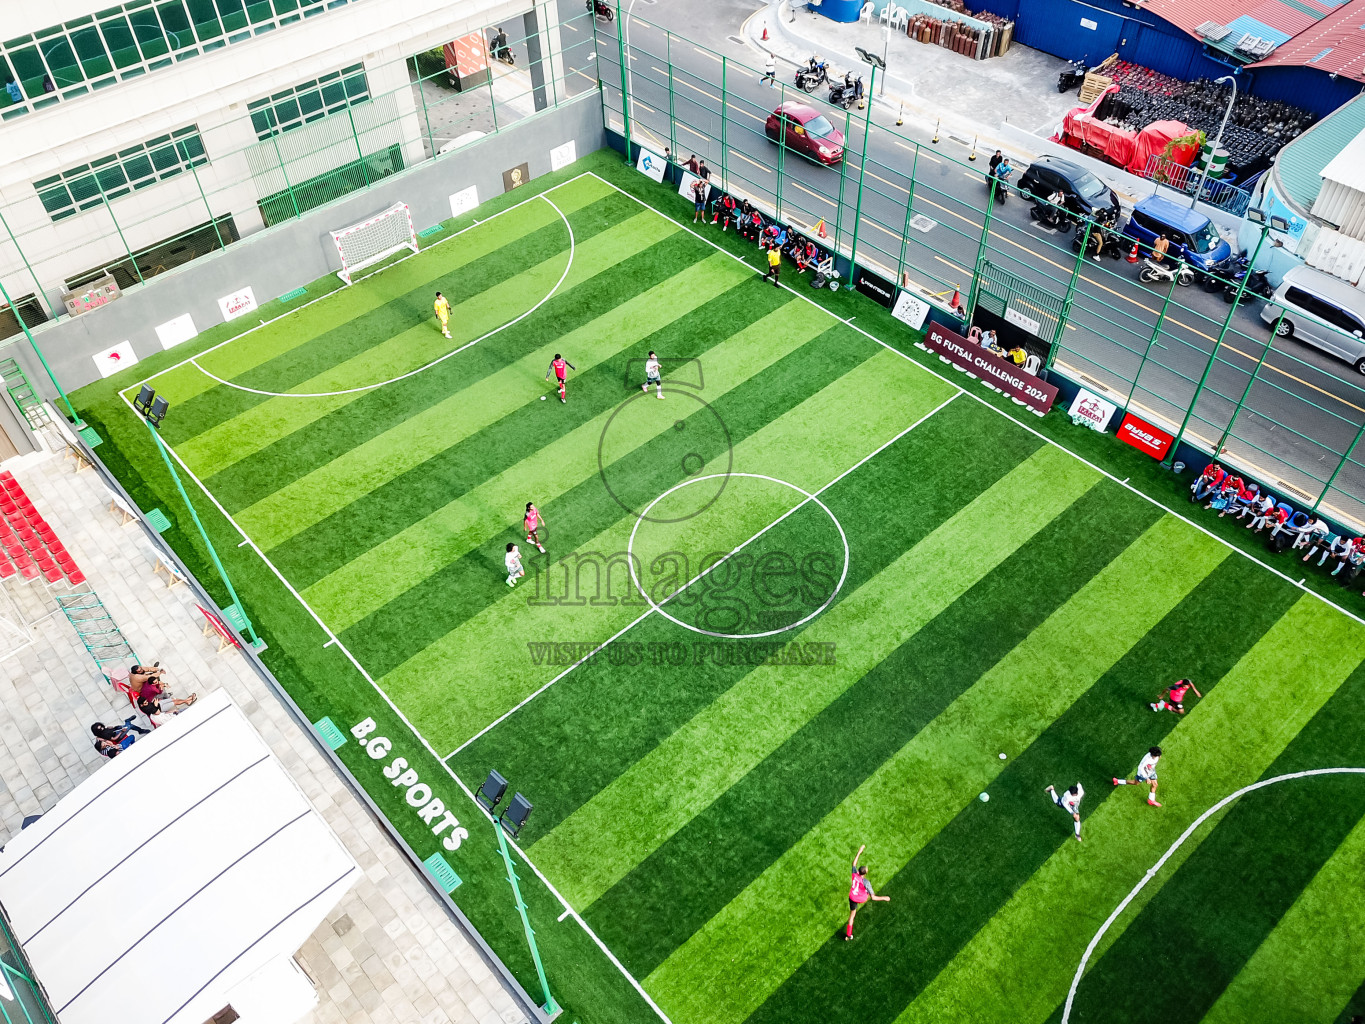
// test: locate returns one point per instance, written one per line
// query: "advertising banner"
(1035, 393)
(1090, 410)
(237, 304)
(173, 332)
(114, 358)
(910, 310)
(874, 287)
(1145, 437)
(650, 164)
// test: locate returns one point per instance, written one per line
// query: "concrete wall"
(292, 254)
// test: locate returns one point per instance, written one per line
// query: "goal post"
(365, 244)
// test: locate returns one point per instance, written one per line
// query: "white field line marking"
(426, 744)
(290, 312)
(439, 359)
(1080, 969)
(1006, 415)
(650, 611)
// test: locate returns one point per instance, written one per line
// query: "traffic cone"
(900, 115)
(1133, 253)
(765, 32)
(820, 228)
(957, 298)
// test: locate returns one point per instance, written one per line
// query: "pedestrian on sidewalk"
(770, 70)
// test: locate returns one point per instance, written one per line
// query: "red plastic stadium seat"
(76, 577)
(54, 574)
(6, 568)
(27, 569)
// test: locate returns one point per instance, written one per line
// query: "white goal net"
(365, 244)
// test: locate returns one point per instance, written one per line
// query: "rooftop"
(1301, 163)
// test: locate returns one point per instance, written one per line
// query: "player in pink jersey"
(534, 521)
(1175, 697)
(560, 366)
(859, 892)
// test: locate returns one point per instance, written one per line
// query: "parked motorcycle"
(1071, 76)
(813, 75)
(601, 9)
(1216, 277)
(1258, 284)
(499, 49)
(1050, 215)
(1111, 242)
(1179, 272)
(847, 92)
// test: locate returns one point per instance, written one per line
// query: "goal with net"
(365, 244)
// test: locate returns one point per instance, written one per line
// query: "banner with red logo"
(467, 56)
(1035, 394)
(1145, 437)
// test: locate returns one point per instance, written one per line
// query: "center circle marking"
(630, 557)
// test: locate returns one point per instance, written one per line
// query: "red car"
(801, 127)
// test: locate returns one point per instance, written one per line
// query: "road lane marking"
(762, 167)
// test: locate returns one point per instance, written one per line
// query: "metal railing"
(922, 220)
(1216, 192)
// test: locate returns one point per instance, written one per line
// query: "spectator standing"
(699, 190)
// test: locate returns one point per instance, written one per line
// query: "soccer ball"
(984, 797)
(542, 398)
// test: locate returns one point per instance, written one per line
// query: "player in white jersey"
(1070, 801)
(1146, 773)
(652, 375)
(513, 562)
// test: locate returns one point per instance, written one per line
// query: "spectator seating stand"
(29, 547)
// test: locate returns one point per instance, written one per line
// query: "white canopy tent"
(177, 880)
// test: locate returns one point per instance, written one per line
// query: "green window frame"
(309, 101)
(119, 174)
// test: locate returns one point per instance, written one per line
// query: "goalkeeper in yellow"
(442, 307)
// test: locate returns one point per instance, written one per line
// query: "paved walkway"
(388, 953)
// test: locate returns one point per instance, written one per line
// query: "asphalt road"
(1303, 408)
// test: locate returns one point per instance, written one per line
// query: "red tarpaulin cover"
(1152, 140)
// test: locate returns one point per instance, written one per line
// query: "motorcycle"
(1111, 242)
(1258, 284)
(499, 50)
(1071, 76)
(847, 92)
(1154, 272)
(601, 9)
(1050, 215)
(1217, 276)
(813, 75)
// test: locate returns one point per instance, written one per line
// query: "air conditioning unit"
(1248, 43)
(1212, 31)
(1263, 47)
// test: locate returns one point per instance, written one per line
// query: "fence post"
(95, 177)
(19, 316)
(212, 219)
(862, 167)
(625, 89)
(1156, 330)
(275, 138)
(781, 151)
(492, 99)
(724, 117)
(1247, 390)
(672, 116)
(981, 250)
(426, 113)
(38, 292)
(360, 154)
(1236, 301)
(909, 213)
(843, 176)
(1065, 313)
(1344, 456)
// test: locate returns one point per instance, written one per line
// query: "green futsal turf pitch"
(855, 588)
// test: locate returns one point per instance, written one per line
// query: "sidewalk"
(388, 953)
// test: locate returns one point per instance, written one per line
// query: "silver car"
(1322, 310)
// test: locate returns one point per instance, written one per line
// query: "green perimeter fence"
(920, 217)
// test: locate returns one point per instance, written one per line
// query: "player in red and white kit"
(1173, 701)
(1146, 773)
(859, 892)
(534, 521)
(1070, 801)
(560, 366)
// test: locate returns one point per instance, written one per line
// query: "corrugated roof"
(1336, 44)
(1284, 18)
(1301, 162)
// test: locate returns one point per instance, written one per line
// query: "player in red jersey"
(534, 521)
(560, 366)
(859, 892)
(1173, 701)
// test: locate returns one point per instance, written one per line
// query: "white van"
(1322, 310)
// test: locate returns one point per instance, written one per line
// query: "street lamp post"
(1204, 171)
(153, 411)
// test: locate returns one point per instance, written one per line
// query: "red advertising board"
(1145, 437)
(1034, 392)
(467, 56)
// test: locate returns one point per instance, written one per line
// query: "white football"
(984, 797)
(542, 398)
(1002, 757)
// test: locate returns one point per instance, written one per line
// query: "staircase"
(26, 399)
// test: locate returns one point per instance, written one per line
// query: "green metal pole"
(550, 1007)
(862, 167)
(909, 213)
(1236, 301)
(781, 152)
(672, 115)
(256, 642)
(1156, 332)
(37, 287)
(1250, 381)
(625, 90)
(492, 100)
(207, 208)
(981, 250)
(426, 112)
(1070, 297)
(1344, 457)
(80, 423)
(724, 106)
(275, 138)
(360, 153)
(131, 258)
(843, 177)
